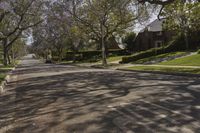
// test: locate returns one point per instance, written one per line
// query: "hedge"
(198, 52)
(95, 54)
(141, 55)
(172, 47)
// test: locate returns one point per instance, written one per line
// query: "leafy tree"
(18, 49)
(59, 31)
(103, 19)
(129, 40)
(16, 18)
(183, 18)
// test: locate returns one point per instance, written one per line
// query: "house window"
(158, 43)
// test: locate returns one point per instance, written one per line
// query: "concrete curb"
(164, 73)
(6, 81)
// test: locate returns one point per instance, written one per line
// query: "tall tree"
(16, 18)
(60, 32)
(103, 19)
(182, 17)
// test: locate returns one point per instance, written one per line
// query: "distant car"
(33, 56)
(48, 61)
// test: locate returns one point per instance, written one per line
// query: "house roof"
(154, 26)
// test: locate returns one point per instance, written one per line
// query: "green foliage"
(183, 18)
(198, 52)
(181, 15)
(129, 40)
(177, 44)
(143, 54)
(18, 48)
(94, 55)
(107, 18)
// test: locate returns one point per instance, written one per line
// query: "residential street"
(49, 98)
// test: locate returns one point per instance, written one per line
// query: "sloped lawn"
(193, 60)
(157, 57)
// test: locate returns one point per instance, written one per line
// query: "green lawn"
(165, 69)
(114, 58)
(152, 58)
(193, 60)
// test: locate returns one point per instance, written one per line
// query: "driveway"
(47, 98)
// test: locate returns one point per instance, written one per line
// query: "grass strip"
(165, 69)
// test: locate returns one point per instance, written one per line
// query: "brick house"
(152, 36)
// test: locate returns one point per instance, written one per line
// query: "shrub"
(175, 45)
(141, 55)
(93, 55)
(118, 52)
(130, 41)
(198, 52)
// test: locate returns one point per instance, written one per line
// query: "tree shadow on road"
(102, 102)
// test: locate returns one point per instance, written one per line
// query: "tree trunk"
(5, 61)
(104, 61)
(60, 54)
(106, 49)
(74, 56)
(186, 39)
(185, 27)
(13, 55)
(9, 60)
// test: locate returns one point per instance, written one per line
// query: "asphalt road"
(47, 98)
